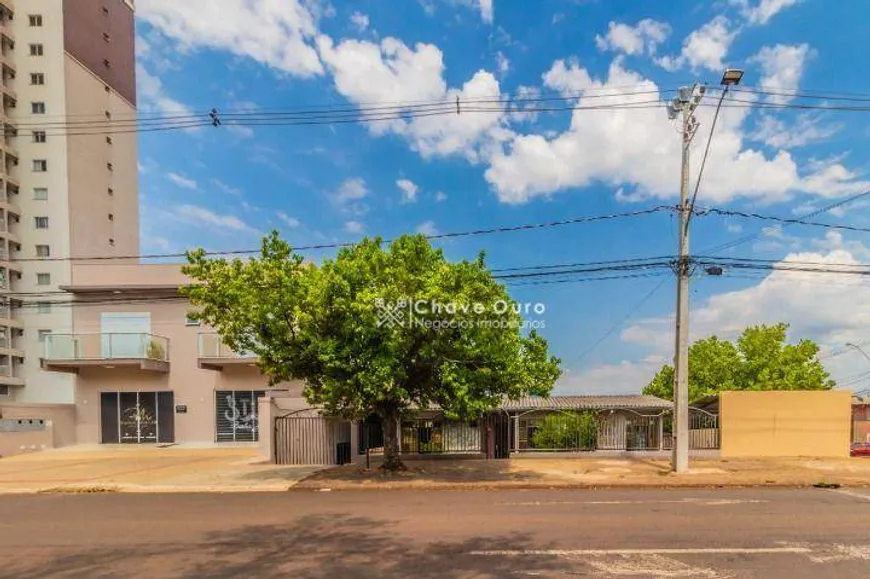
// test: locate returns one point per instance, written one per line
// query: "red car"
(860, 449)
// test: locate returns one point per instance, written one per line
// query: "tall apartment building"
(68, 179)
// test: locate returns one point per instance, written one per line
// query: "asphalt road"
(421, 535)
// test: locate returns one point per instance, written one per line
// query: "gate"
(440, 436)
(498, 435)
(311, 439)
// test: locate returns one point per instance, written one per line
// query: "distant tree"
(759, 360)
(567, 431)
(343, 327)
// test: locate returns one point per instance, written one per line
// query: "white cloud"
(154, 97)
(349, 195)
(409, 190)
(734, 228)
(354, 227)
(624, 377)
(288, 221)
(428, 228)
(503, 64)
(230, 190)
(782, 67)
(366, 72)
(276, 33)
(637, 149)
(792, 296)
(182, 181)
(806, 130)
(762, 12)
(202, 217)
(360, 21)
(440, 196)
(642, 38)
(706, 47)
(486, 10)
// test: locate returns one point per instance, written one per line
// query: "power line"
(450, 235)
(815, 213)
(622, 320)
(787, 220)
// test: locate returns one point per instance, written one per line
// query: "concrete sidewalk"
(596, 472)
(146, 469)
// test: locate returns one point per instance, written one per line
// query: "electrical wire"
(449, 235)
(815, 213)
(787, 220)
(621, 321)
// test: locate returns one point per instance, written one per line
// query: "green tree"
(345, 328)
(563, 431)
(761, 359)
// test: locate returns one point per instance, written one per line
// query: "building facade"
(69, 172)
(146, 373)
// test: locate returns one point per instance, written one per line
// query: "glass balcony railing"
(210, 346)
(72, 347)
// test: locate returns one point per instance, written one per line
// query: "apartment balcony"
(72, 352)
(7, 320)
(6, 204)
(10, 97)
(8, 377)
(214, 355)
(5, 231)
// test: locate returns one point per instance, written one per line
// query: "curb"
(145, 489)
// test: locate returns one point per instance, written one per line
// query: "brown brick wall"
(85, 26)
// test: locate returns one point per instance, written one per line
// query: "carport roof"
(587, 403)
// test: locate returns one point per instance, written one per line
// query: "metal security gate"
(137, 417)
(304, 439)
(440, 436)
(236, 417)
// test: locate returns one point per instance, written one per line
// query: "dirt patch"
(596, 473)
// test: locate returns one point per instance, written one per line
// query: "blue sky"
(223, 188)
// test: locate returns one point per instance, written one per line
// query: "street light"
(857, 347)
(731, 77)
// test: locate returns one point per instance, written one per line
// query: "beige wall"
(61, 416)
(192, 386)
(90, 179)
(785, 423)
(42, 386)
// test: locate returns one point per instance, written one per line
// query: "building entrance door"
(137, 417)
(138, 413)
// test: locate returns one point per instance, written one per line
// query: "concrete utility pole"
(688, 100)
(685, 104)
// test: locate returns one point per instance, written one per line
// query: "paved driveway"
(148, 468)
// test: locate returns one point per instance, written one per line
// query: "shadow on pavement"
(432, 470)
(313, 547)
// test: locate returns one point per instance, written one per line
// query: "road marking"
(606, 552)
(851, 494)
(691, 501)
(650, 566)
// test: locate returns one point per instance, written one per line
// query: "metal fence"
(440, 436)
(616, 429)
(306, 439)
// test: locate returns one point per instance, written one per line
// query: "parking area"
(147, 469)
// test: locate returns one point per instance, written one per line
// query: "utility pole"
(684, 104)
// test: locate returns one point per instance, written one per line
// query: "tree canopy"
(375, 330)
(761, 359)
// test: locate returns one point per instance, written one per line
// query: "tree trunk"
(392, 458)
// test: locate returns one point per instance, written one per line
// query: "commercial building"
(145, 372)
(68, 175)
